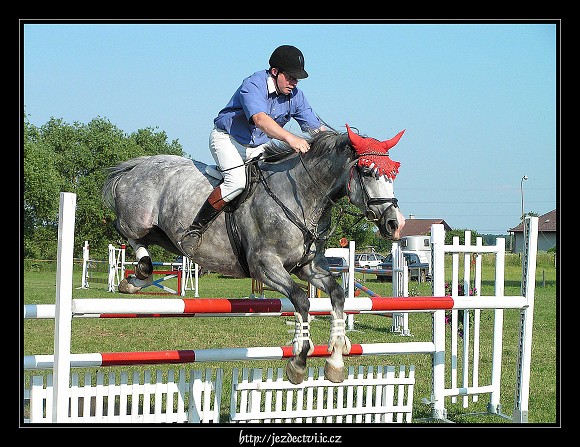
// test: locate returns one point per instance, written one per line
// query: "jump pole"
(46, 361)
(274, 307)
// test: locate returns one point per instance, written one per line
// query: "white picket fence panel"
(148, 398)
(368, 396)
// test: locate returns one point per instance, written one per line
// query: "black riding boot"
(191, 239)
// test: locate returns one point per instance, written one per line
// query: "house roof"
(546, 223)
(421, 227)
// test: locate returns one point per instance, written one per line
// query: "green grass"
(152, 334)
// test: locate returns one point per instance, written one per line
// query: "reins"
(310, 234)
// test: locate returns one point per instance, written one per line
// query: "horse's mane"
(321, 144)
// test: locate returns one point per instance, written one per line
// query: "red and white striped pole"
(140, 308)
(218, 355)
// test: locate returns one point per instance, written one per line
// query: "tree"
(61, 157)
(351, 224)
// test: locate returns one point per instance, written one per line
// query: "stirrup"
(193, 246)
(195, 232)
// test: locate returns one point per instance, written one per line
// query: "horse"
(280, 227)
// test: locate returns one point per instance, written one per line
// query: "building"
(547, 233)
(421, 227)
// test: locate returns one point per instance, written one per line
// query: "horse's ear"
(355, 138)
(362, 145)
(387, 144)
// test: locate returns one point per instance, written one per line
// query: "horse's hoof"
(144, 268)
(295, 375)
(126, 287)
(335, 375)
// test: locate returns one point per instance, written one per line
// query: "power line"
(477, 201)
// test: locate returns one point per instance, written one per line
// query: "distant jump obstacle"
(185, 271)
(378, 396)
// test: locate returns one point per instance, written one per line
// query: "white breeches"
(229, 156)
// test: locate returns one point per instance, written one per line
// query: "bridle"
(367, 199)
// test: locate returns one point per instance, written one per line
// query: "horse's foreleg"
(302, 345)
(338, 343)
(269, 270)
(143, 271)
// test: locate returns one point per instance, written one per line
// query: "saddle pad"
(212, 171)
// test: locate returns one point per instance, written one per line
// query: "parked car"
(368, 260)
(417, 270)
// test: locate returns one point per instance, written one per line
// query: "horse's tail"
(114, 175)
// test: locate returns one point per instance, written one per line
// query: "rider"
(256, 113)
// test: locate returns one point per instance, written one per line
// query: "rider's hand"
(298, 144)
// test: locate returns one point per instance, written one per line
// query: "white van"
(342, 253)
(421, 245)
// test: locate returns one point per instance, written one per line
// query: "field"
(111, 335)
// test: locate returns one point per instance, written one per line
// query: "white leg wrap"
(140, 252)
(338, 331)
(301, 333)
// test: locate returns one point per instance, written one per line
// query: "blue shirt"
(258, 94)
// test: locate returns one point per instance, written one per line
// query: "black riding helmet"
(290, 60)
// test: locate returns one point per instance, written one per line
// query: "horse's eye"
(367, 172)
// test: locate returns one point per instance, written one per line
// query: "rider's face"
(285, 82)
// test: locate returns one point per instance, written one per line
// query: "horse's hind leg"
(144, 267)
(143, 270)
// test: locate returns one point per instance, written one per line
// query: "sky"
(478, 100)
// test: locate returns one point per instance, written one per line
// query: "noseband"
(370, 201)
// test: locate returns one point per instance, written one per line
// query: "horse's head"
(371, 183)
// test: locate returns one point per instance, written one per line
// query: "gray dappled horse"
(279, 228)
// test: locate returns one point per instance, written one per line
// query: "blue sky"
(478, 100)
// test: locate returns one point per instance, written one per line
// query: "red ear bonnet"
(373, 153)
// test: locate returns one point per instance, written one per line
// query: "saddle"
(252, 178)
